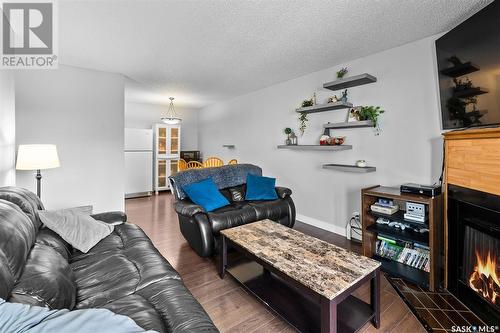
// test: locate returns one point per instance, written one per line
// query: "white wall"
(140, 115)
(82, 112)
(7, 129)
(408, 149)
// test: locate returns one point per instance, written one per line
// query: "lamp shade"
(37, 157)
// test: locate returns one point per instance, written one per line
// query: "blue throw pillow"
(206, 194)
(261, 188)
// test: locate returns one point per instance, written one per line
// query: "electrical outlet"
(349, 231)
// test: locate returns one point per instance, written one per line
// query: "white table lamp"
(37, 157)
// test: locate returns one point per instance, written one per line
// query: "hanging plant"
(303, 122)
(371, 113)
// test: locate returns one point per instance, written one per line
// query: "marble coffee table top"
(323, 267)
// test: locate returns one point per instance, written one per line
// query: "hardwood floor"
(229, 306)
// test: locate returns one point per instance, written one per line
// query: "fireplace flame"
(483, 279)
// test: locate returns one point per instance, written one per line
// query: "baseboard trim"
(322, 225)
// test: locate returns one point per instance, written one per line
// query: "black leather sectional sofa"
(201, 229)
(124, 273)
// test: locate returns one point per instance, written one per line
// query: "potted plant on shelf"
(371, 113)
(309, 102)
(288, 131)
(343, 71)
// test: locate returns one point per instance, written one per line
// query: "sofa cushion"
(27, 201)
(237, 213)
(47, 280)
(260, 188)
(81, 231)
(47, 237)
(224, 177)
(205, 194)
(226, 193)
(272, 210)
(118, 266)
(237, 193)
(164, 306)
(17, 236)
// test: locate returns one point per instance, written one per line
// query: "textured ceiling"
(204, 51)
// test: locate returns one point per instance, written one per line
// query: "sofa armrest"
(187, 208)
(111, 217)
(283, 192)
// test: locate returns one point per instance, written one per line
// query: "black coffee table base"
(297, 304)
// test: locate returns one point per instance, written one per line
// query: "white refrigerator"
(138, 162)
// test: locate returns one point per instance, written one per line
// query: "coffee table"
(307, 281)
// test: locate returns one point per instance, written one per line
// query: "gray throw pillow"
(81, 231)
(85, 210)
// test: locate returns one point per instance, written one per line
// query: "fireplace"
(474, 250)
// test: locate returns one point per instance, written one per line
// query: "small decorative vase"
(288, 141)
(361, 163)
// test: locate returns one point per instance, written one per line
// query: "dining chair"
(182, 165)
(213, 162)
(194, 165)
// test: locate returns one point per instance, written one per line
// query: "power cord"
(355, 225)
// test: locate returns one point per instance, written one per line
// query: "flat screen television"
(468, 59)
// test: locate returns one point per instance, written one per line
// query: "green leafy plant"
(289, 132)
(303, 122)
(370, 113)
(343, 71)
(307, 102)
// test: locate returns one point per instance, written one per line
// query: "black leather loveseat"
(201, 229)
(123, 273)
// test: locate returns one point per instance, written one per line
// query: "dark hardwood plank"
(229, 306)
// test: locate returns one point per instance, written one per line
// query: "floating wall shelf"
(353, 124)
(351, 81)
(349, 168)
(228, 146)
(316, 147)
(459, 70)
(324, 107)
(470, 92)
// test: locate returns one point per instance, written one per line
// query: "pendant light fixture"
(171, 118)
